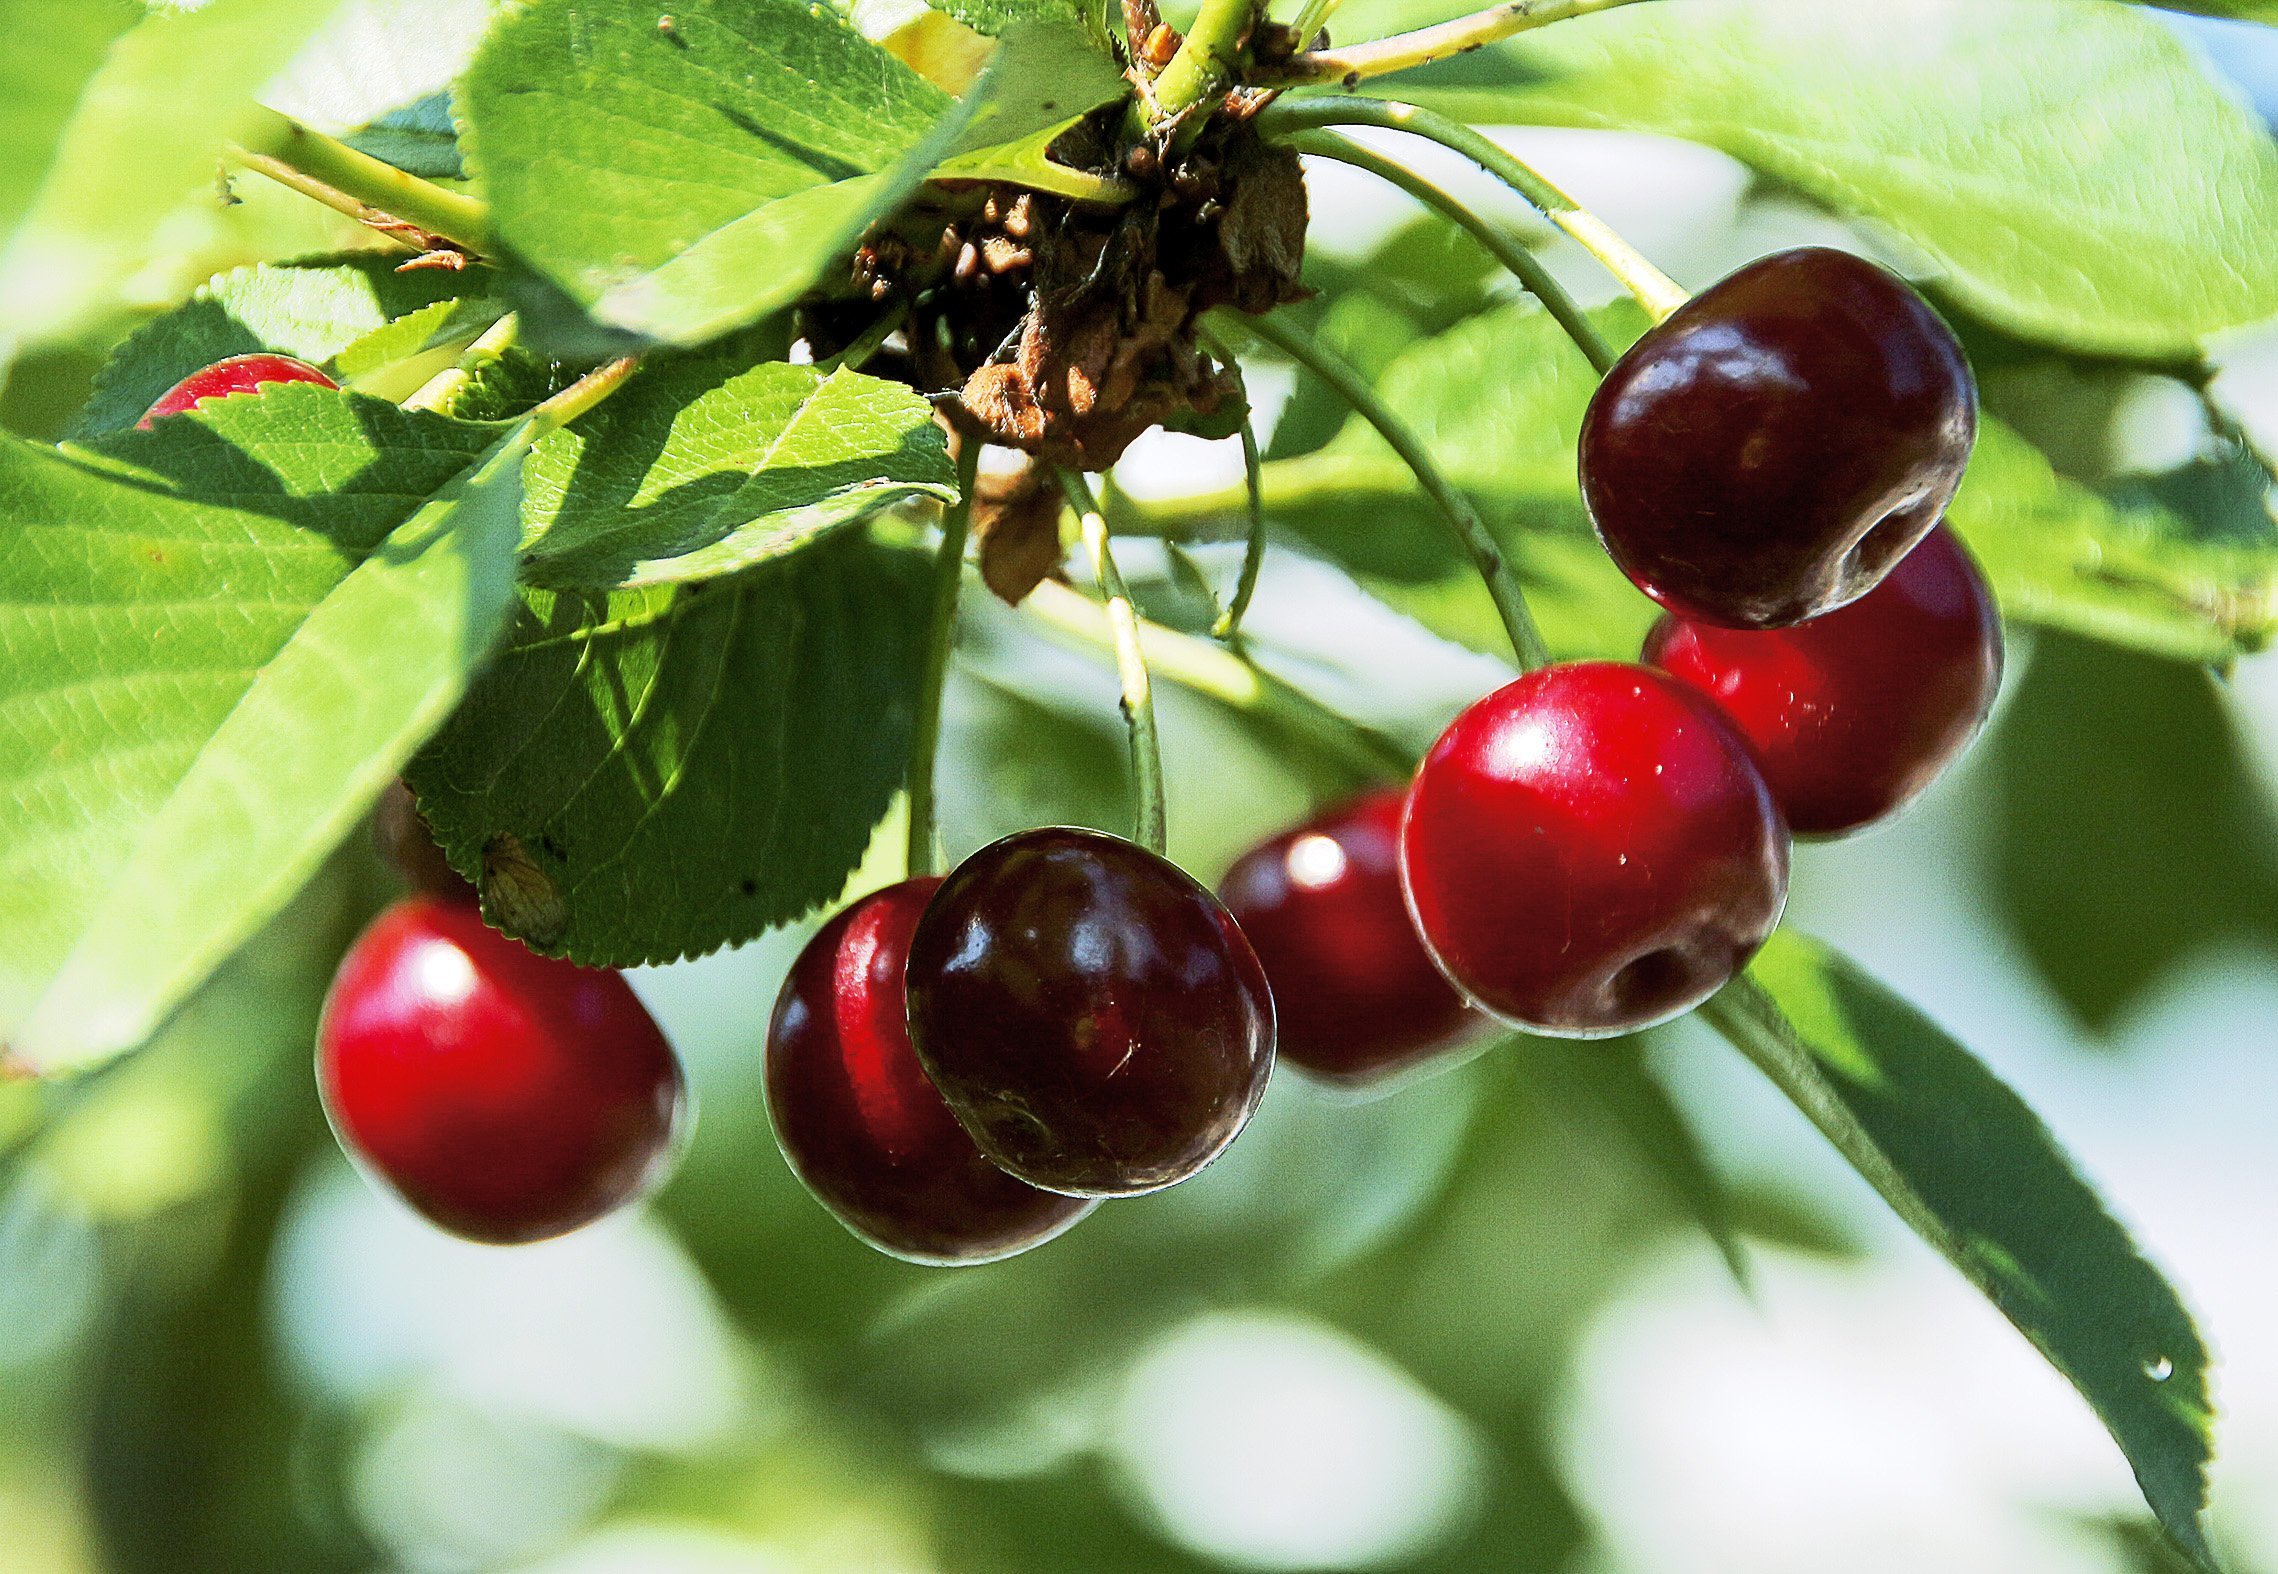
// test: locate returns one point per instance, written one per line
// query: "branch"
(1406, 51)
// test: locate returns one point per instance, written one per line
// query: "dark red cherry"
(400, 833)
(1355, 995)
(1852, 715)
(239, 374)
(1768, 453)
(857, 1118)
(1092, 1015)
(1591, 849)
(507, 1096)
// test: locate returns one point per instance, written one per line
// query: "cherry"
(857, 1118)
(1356, 996)
(1852, 715)
(509, 1097)
(1590, 850)
(237, 375)
(408, 846)
(1768, 453)
(1092, 1015)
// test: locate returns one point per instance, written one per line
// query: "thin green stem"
(415, 213)
(1654, 290)
(584, 394)
(1151, 828)
(1470, 531)
(941, 636)
(1406, 51)
(1229, 624)
(1523, 264)
(443, 391)
(872, 340)
(1207, 668)
(1313, 18)
(1206, 60)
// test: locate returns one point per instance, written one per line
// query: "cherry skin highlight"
(1768, 453)
(507, 1096)
(857, 1118)
(237, 375)
(1091, 1014)
(1591, 849)
(1852, 715)
(1356, 997)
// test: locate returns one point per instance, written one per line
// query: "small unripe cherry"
(857, 1118)
(1090, 1013)
(1766, 454)
(1591, 850)
(507, 1096)
(408, 847)
(1356, 997)
(1852, 715)
(238, 375)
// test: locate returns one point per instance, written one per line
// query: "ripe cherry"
(1852, 715)
(1356, 997)
(509, 1097)
(1768, 453)
(1590, 850)
(1092, 1015)
(239, 374)
(857, 1118)
(408, 847)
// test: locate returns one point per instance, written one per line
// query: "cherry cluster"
(960, 1068)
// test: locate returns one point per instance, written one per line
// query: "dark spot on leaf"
(748, 886)
(520, 897)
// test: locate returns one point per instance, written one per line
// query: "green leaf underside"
(998, 17)
(188, 718)
(1975, 1173)
(52, 50)
(349, 314)
(682, 767)
(641, 168)
(2112, 199)
(1499, 400)
(147, 134)
(419, 138)
(698, 470)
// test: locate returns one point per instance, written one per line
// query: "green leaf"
(192, 705)
(420, 138)
(1974, 1172)
(2112, 199)
(1099, 22)
(1499, 399)
(351, 314)
(682, 767)
(52, 51)
(147, 133)
(697, 471)
(679, 182)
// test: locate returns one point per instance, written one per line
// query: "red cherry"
(1091, 1014)
(408, 847)
(1768, 453)
(1852, 715)
(509, 1097)
(237, 375)
(1356, 997)
(1590, 850)
(857, 1118)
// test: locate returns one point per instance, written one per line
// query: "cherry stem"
(1406, 51)
(872, 340)
(1206, 58)
(414, 213)
(1654, 290)
(1314, 17)
(1151, 829)
(1471, 532)
(442, 392)
(941, 637)
(1230, 678)
(1229, 624)
(1523, 264)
